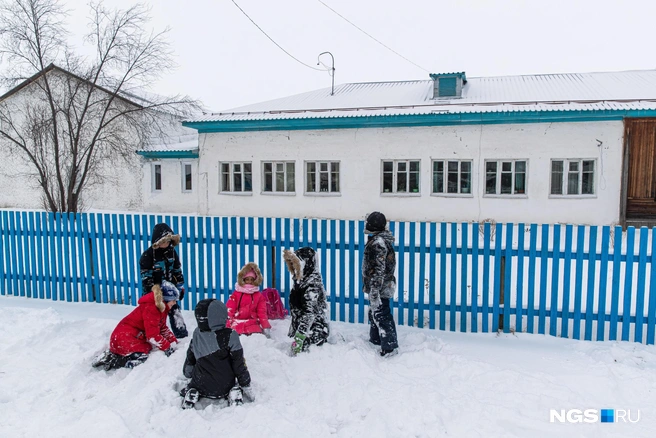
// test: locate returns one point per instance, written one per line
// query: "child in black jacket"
(215, 358)
(160, 262)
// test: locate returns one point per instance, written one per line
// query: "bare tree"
(76, 116)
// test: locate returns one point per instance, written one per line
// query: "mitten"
(374, 301)
(297, 345)
(169, 351)
(267, 333)
(249, 395)
(181, 288)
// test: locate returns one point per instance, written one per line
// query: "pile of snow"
(441, 384)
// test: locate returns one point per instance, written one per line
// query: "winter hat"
(164, 293)
(250, 270)
(169, 292)
(376, 222)
(162, 235)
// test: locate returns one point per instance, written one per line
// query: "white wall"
(360, 152)
(172, 198)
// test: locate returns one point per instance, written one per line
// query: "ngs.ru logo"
(593, 415)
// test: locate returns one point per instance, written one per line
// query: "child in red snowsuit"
(247, 312)
(143, 328)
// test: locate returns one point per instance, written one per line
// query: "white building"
(561, 148)
(118, 183)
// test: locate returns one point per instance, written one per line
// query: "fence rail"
(581, 282)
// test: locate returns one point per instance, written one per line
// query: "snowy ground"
(442, 384)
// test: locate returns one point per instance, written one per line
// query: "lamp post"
(332, 69)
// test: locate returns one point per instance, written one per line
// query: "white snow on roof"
(186, 139)
(549, 92)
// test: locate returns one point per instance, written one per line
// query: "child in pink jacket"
(247, 311)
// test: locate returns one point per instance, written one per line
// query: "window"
(505, 177)
(157, 177)
(278, 177)
(401, 176)
(236, 177)
(186, 177)
(572, 177)
(322, 177)
(452, 177)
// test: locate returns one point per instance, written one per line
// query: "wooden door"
(641, 182)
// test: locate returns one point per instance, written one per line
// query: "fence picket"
(564, 327)
(555, 272)
(453, 277)
(628, 284)
(463, 277)
(422, 276)
(640, 298)
(486, 276)
(617, 259)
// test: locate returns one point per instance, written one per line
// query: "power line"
(370, 36)
(271, 39)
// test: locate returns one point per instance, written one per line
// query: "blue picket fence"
(581, 282)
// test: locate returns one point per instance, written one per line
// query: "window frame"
(153, 178)
(183, 179)
(395, 172)
(498, 193)
(273, 191)
(445, 178)
(317, 172)
(564, 181)
(231, 173)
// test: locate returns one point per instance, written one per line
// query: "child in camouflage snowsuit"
(379, 282)
(160, 262)
(307, 301)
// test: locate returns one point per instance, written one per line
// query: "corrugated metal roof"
(549, 92)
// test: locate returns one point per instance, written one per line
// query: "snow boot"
(105, 360)
(235, 397)
(191, 396)
(135, 359)
(389, 353)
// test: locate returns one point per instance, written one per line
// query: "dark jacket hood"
(211, 315)
(162, 234)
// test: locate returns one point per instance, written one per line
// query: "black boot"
(191, 396)
(235, 397)
(105, 360)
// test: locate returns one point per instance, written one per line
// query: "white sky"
(224, 61)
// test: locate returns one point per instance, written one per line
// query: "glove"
(247, 392)
(181, 288)
(169, 351)
(374, 302)
(297, 345)
(267, 333)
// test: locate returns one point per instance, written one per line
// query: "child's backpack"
(275, 309)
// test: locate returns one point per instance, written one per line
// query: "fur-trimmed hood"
(301, 263)
(162, 234)
(250, 266)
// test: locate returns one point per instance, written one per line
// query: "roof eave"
(392, 121)
(191, 154)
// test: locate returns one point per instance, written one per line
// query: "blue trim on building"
(410, 120)
(168, 154)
